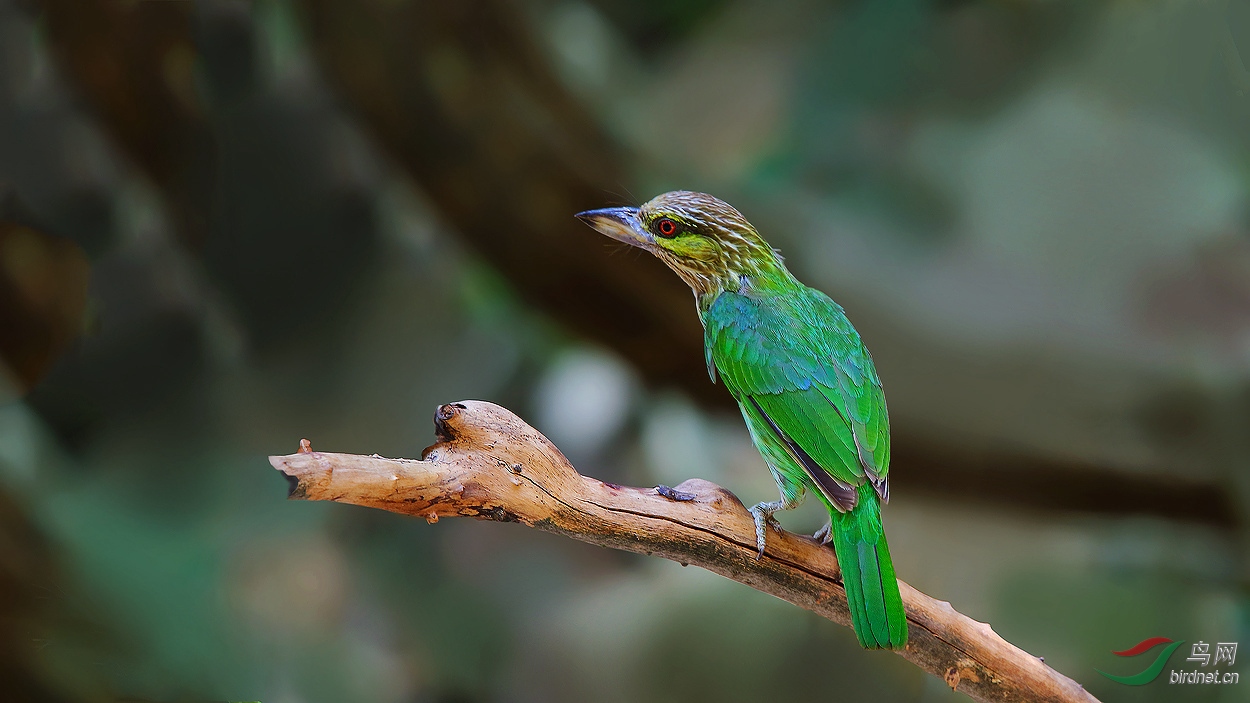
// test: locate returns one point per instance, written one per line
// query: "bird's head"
(702, 238)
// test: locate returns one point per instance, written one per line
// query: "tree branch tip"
(295, 486)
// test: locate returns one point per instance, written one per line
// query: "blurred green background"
(226, 225)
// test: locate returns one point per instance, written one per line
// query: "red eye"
(666, 227)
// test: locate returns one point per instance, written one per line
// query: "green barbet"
(805, 384)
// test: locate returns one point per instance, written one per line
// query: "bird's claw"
(825, 534)
(763, 517)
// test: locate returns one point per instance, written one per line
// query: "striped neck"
(759, 278)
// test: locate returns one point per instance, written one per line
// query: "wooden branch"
(490, 464)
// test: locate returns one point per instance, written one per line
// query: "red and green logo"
(1151, 672)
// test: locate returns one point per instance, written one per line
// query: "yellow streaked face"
(703, 239)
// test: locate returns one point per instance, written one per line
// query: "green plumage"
(802, 378)
(805, 384)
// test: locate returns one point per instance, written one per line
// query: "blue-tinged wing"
(800, 364)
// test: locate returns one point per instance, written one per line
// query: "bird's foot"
(825, 534)
(763, 514)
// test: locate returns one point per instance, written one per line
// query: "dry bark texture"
(490, 464)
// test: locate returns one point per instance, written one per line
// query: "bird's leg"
(825, 534)
(763, 514)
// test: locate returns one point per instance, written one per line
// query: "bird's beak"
(619, 223)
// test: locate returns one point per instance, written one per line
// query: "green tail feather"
(868, 575)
